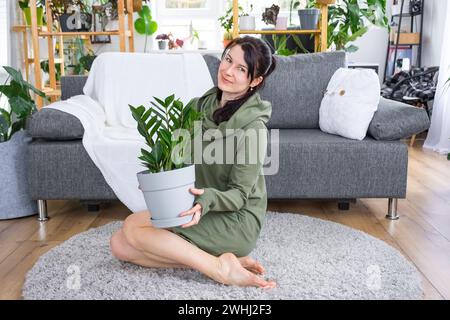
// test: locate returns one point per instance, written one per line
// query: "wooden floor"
(422, 234)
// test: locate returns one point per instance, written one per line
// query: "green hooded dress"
(235, 199)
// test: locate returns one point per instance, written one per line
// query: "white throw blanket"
(110, 135)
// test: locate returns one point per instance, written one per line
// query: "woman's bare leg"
(153, 242)
(122, 250)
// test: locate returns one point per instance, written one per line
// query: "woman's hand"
(195, 210)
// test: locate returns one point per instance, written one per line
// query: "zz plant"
(162, 126)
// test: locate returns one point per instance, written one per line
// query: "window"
(180, 16)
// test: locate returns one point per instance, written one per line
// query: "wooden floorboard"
(422, 234)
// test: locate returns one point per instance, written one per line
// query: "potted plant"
(14, 199)
(270, 15)
(246, 21)
(25, 6)
(226, 22)
(145, 25)
(163, 40)
(309, 16)
(169, 173)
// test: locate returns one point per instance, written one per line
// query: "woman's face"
(233, 77)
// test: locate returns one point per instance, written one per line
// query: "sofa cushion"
(296, 88)
(53, 124)
(395, 120)
(330, 166)
(351, 99)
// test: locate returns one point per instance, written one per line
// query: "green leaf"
(168, 101)
(21, 107)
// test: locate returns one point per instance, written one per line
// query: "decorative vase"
(167, 195)
(309, 18)
(39, 14)
(247, 23)
(281, 23)
(15, 200)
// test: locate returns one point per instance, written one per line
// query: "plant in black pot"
(73, 15)
(14, 197)
(169, 173)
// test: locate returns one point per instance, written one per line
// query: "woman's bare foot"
(251, 265)
(232, 272)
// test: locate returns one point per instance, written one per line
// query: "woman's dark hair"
(260, 62)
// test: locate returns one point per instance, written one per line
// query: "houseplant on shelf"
(14, 198)
(25, 6)
(247, 21)
(226, 22)
(163, 40)
(309, 16)
(169, 173)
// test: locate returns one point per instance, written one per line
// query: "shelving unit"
(52, 91)
(320, 34)
(396, 44)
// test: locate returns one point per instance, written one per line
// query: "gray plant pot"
(308, 18)
(162, 44)
(15, 201)
(167, 195)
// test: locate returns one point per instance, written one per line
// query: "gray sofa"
(312, 164)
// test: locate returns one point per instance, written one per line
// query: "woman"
(231, 199)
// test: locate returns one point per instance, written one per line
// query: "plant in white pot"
(168, 130)
(15, 200)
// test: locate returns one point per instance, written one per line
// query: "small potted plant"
(25, 6)
(270, 15)
(163, 40)
(169, 173)
(309, 16)
(226, 21)
(14, 198)
(246, 21)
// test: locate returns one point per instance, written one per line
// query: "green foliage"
(20, 101)
(46, 68)
(144, 24)
(26, 4)
(226, 21)
(280, 48)
(165, 119)
(347, 21)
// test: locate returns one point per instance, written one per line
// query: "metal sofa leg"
(42, 208)
(392, 209)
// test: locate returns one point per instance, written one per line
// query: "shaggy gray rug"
(309, 258)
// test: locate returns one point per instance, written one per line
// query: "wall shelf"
(53, 91)
(320, 34)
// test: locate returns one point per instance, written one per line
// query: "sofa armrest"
(396, 120)
(72, 86)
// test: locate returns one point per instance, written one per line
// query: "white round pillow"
(349, 103)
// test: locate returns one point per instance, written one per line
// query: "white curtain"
(438, 138)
